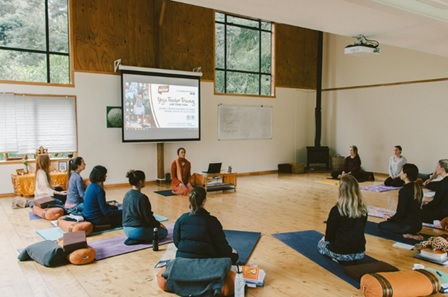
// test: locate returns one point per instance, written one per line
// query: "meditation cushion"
(47, 253)
(82, 256)
(357, 271)
(70, 226)
(227, 290)
(407, 283)
(51, 214)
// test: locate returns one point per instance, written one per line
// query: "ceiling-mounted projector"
(361, 49)
(362, 46)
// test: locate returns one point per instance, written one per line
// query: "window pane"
(23, 66)
(266, 26)
(266, 49)
(219, 17)
(58, 26)
(266, 85)
(241, 21)
(242, 83)
(219, 82)
(219, 47)
(243, 49)
(25, 24)
(59, 69)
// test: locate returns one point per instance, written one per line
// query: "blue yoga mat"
(305, 242)
(165, 193)
(372, 229)
(243, 242)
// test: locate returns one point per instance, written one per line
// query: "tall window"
(243, 55)
(34, 39)
(28, 122)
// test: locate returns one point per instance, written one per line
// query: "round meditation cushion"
(70, 226)
(82, 256)
(406, 283)
(50, 214)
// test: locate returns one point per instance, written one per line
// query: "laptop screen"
(214, 168)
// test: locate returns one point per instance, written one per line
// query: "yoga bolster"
(227, 289)
(50, 214)
(82, 256)
(70, 226)
(406, 283)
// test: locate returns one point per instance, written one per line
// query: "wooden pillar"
(160, 162)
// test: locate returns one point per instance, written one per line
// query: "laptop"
(213, 168)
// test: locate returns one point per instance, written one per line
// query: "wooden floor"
(273, 203)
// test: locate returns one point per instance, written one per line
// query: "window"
(28, 122)
(34, 43)
(243, 55)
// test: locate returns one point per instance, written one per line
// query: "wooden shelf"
(216, 181)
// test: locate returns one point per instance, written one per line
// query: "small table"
(24, 184)
(216, 181)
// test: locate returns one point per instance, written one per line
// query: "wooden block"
(73, 241)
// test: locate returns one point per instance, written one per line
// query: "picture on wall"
(114, 117)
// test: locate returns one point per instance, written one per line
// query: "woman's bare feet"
(414, 236)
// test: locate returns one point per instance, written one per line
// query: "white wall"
(293, 130)
(376, 118)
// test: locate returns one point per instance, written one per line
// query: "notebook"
(213, 168)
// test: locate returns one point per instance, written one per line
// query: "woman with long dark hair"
(76, 186)
(407, 220)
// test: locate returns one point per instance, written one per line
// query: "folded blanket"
(196, 277)
(47, 253)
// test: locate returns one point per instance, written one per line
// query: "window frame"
(47, 52)
(226, 70)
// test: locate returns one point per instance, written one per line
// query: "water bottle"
(155, 240)
(240, 283)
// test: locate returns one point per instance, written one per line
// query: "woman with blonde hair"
(43, 184)
(344, 238)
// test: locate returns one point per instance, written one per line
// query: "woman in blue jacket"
(197, 234)
(96, 209)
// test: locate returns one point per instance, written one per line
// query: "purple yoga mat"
(115, 246)
(379, 188)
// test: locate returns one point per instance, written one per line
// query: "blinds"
(28, 122)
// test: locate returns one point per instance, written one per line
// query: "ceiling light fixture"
(362, 46)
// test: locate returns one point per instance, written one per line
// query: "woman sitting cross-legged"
(344, 238)
(43, 184)
(76, 186)
(96, 210)
(138, 218)
(197, 234)
(407, 221)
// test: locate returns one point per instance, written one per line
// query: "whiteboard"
(244, 122)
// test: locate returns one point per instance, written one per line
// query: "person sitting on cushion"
(181, 174)
(437, 208)
(76, 186)
(43, 184)
(407, 220)
(138, 218)
(352, 164)
(197, 234)
(344, 238)
(96, 210)
(396, 162)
